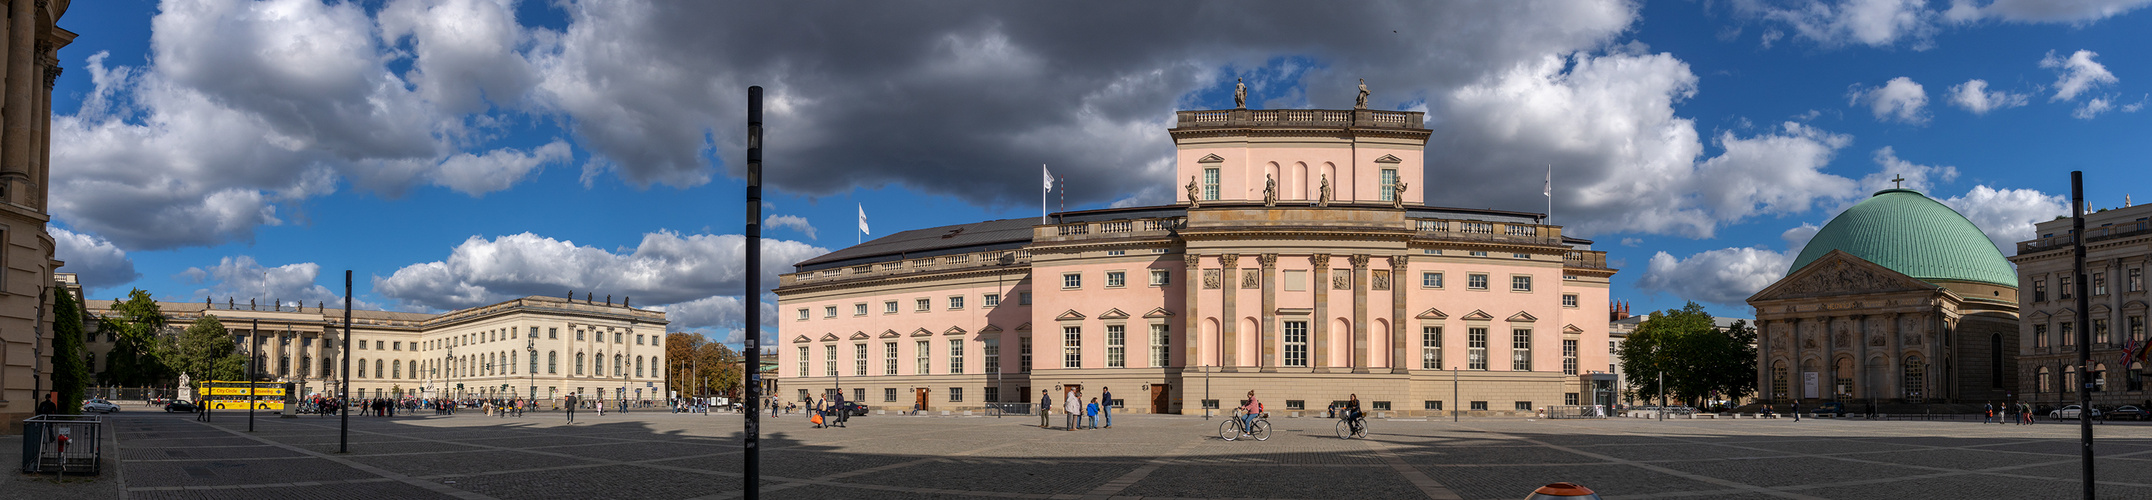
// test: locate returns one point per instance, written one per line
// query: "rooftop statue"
(1195, 194)
(1397, 195)
(1361, 102)
(1270, 191)
(1240, 94)
(1324, 200)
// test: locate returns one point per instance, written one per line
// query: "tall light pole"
(751, 459)
(2084, 328)
(531, 344)
(343, 439)
(253, 353)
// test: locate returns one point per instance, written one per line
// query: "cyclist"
(1353, 415)
(1251, 410)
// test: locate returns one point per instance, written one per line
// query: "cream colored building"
(31, 43)
(1298, 261)
(547, 346)
(2118, 249)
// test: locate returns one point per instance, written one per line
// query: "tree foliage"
(70, 372)
(1698, 360)
(696, 361)
(205, 352)
(138, 352)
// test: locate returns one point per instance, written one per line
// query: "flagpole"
(1042, 194)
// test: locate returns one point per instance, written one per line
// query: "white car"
(99, 406)
(2070, 412)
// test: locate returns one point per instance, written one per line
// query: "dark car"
(1833, 408)
(2126, 412)
(181, 405)
(853, 409)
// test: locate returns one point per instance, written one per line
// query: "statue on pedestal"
(1397, 195)
(1361, 102)
(1240, 94)
(1270, 191)
(1324, 196)
(1195, 193)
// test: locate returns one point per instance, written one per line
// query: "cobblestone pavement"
(660, 455)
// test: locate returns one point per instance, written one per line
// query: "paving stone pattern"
(676, 456)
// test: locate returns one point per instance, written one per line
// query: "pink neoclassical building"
(1299, 260)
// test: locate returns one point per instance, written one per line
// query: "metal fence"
(1582, 411)
(1000, 409)
(63, 444)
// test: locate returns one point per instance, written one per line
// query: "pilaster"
(1399, 363)
(1359, 313)
(1228, 320)
(1319, 330)
(1268, 360)
(1192, 350)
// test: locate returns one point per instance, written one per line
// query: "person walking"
(1105, 408)
(1093, 411)
(570, 399)
(1073, 406)
(50, 406)
(1796, 410)
(1046, 406)
(1990, 415)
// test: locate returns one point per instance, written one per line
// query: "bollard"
(1562, 491)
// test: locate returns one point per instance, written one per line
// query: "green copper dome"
(1909, 233)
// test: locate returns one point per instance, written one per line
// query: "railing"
(1583, 259)
(1118, 228)
(1577, 411)
(1299, 117)
(2091, 235)
(1527, 234)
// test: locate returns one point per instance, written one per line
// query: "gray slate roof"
(1004, 234)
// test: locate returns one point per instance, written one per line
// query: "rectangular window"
(1479, 406)
(1210, 184)
(1296, 343)
(990, 300)
(1296, 404)
(1072, 280)
(1114, 253)
(1430, 348)
(2039, 336)
(2099, 283)
(1569, 398)
(1116, 346)
(2137, 280)
(859, 360)
(1116, 279)
(859, 394)
(922, 305)
(992, 349)
(1477, 253)
(956, 394)
(889, 307)
(1023, 355)
(1430, 279)
(1520, 283)
(1476, 281)
(1072, 347)
(2069, 335)
(889, 395)
(1524, 406)
(889, 358)
(579, 334)
(1431, 405)
(1569, 358)
(2066, 289)
(921, 351)
(1389, 184)
(1520, 349)
(1476, 348)
(956, 302)
(2137, 328)
(956, 356)
(829, 311)
(2099, 332)
(859, 309)
(803, 363)
(2039, 290)
(1159, 341)
(993, 394)
(1159, 277)
(829, 361)
(1519, 255)
(803, 314)
(1569, 300)
(1023, 298)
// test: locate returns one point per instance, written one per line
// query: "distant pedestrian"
(1796, 410)
(1046, 405)
(1106, 408)
(1073, 406)
(50, 406)
(1990, 416)
(1093, 411)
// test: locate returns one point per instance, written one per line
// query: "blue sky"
(459, 152)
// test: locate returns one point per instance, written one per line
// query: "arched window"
(377, 369)
(2069, 378)
(619, 369)
(579, 364)
(638, 366)
(552, 362)
(1916, 379)
(396, 369)
(1778, 381)
(1842, 379)
(2099, 377)
(362, 367)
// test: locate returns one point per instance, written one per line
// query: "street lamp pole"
(531, 344)
(253, 352)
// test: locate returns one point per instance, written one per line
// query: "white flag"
(863, 220)
(1548, 189)
(1049, 177)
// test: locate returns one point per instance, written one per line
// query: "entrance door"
(919, 399)
(1159, 398)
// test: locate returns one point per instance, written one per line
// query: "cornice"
(908, 278)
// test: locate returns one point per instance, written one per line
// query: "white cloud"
(466, 51)
(1900, 99)
(1726, 276)
(2007, 215)
(1974, 96)
(796, 223)
(2093, 107)
(2041, 11)
(2076, 74)
(1777, 173)
(498, 169)
(1876, 23)
(1918, 177)
(97, 263)
(240, 279)
(665, 268)
(1797, 237)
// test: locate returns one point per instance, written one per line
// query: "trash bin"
(63, 444)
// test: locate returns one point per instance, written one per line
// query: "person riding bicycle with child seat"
(1252, 410)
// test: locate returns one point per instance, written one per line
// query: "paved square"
(661, 455)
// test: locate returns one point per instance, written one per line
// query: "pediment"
(1523, 317)
(1572, 329)
(1840, 273)
(1158, 313)
(1071, 315)
(954, 330)
(2038, 316)
(2133, 305)
(829, 337)
(2100, 310)
(1478, 315)
(990, 329)
(859, 336)
(1114, 313)
(921, 333)
(890, 334)
(1210, 158)
(1024, 327)
(1432, 313)
(1388, 159)
(802, 338)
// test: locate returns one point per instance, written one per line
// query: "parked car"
(2070, 412)
(853, 408)
(2126, 412)
(181, 405)
(1833, 408)
(99, 406)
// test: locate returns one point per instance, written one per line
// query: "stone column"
(1192, 351)
(15, 133)
(1359, 313)
(1796, 383)
(1861, 380)
(1269, 359)
(1763, 358)
(1228, 321)
(1894, 353)
(42, 173)
(1319, 329)
(1399, 363)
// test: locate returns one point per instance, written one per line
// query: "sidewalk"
(15, 484)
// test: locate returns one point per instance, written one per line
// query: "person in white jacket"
(1074, 406)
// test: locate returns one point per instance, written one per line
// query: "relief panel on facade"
(1380, 280)
(1340, 279)
(1251, 279)
(1212, 279)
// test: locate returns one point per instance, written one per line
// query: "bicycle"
(1231, 429)
(1349, 428)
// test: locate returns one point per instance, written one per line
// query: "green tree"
(721, 370)
(1697, 358)
(205, 352)
(70, 372)
(137, 351)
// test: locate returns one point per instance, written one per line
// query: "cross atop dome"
(1898, 183)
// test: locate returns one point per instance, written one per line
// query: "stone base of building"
(1178, 391)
